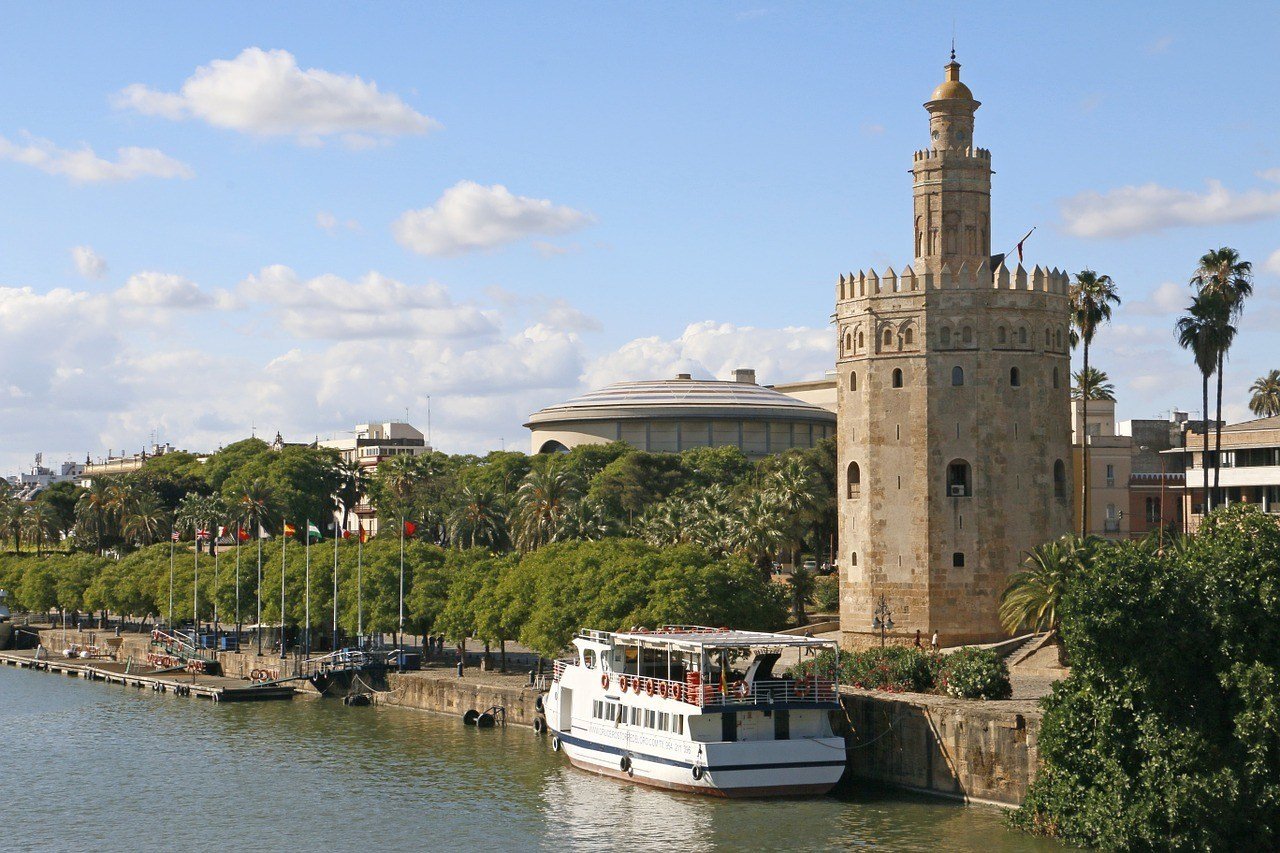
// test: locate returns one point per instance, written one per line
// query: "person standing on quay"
(919, 645)
(934, 642)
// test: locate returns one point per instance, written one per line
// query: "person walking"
(934, 642)
(919, 645)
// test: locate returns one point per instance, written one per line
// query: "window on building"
(959, 483)
(861, 344)
(853, 558)
(1001, 336)
(888, 337)
(1111, 476)
(1055, 377)
(848, 342)
(853, 382)
(1048, 341)
(967, 335)
(1022, 336)
(589, 658)
(854, 481)
(1059, 480)
(957, 560)
(1015, 378)
(957, 375)
(897, 377)
(1153, 511)
(944, 336)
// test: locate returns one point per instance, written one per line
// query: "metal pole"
(336, 536)
(237, 535)
(360, 582)
(306, 628)
(400, 623)
(284, 542)
(195, 593)
(171, 544)
(259, 595)
(216, 623)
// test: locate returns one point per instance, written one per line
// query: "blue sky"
(336, 210)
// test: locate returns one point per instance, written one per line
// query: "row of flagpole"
(406, 527)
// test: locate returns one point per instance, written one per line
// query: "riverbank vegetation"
(965, 673)
(1166, 734)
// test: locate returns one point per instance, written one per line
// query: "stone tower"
(954, 419)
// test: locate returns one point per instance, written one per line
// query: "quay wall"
(970, 750)
(447, 694)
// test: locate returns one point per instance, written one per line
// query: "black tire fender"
(555, 744)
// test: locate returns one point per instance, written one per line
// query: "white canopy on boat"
(695, 637)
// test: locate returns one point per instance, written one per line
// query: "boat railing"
(691, 690)
(557, 669)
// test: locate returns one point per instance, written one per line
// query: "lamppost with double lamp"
(882, 619)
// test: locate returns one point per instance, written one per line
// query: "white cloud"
(468, 216)
(1151, 208)
(83, 166)
(1272, 264)
(264, 92)
(88, 262)
(872, 129)
(1272, 174)
(1168, 298)
(162, 290)
(713, 350)
(373, 306)
(329, 223)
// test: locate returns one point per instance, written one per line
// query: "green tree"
(1265, 399)
(1204, 330)
(144, 518)
(40, 525)
(634, 481)
(1092, 296)
(94, 511)
(219, 467)
(543, 500)
(704, 467)
(1221, 273)
(61, 498)
(353, 483)
(1094, 385)
(13, 515)
(478, 520)
(1032, 597)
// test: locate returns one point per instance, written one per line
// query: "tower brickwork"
(953, 417)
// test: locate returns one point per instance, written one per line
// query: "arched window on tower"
(897, 377)
(1001, 337)
(853, 381)
(853, 482)
(967, 335)
(848, 342)
(959, 483)
(888, 338)
(1022, 336)
(853, 558)
(1048, 341)
(944, 336)
(909, 336)
(1059, 480)
(861, 344)
(1015, 378)
(919, 236)
(957, 375)
(1055, 377)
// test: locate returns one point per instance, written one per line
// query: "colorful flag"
(262, 532)
(242, 534)
(410, 528)
(175, 536)
(313, 532)
(202, 534)
(364, 534)
(289, 529)
(346, 534)
(222, 531)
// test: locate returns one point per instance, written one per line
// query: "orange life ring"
(677, 691)
(624, 683)
(649, 686)
(604, 680)
(662, 689)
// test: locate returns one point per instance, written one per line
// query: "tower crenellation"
(953, 437)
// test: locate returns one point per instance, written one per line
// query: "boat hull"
(808, 769)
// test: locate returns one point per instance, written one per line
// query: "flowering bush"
(965, 673)
(973, 674)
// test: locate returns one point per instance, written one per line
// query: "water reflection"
(106, 767)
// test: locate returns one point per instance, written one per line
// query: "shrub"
(826, 594)
(897, 669)
(973, 674)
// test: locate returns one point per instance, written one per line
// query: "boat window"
(597, 709)
(679, 729)
(589, 658)
(648, 718)
(635, 716)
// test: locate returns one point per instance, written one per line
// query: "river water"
(90, 766)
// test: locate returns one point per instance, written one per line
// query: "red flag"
(364, 534)
(289, 530)
(410, 528)
(202, 534)
(242, 534)
(346, 534)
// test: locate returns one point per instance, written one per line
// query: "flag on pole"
(202, 534)
(410, 528)
(364, 534)
(222, 531)
(175, 536)
(1020, 242)
(313, 532)
(346, 534)
(289, 529)
(262, 532)
(242, 534)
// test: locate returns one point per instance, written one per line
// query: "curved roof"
(689, 398)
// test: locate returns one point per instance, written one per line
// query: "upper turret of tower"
(951, 111)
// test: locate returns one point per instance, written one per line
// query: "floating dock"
(216, 688)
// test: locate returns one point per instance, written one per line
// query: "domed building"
(672, 415)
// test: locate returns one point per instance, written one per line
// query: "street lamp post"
(882, 619)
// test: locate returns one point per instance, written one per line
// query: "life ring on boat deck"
(649, 686)
(604, 680)
(555, 744)
(677, 691)
(697, 772)
(622, 683)
(740, 689)
(625, 766)
(662, 689)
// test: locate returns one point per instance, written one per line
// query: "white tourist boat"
(696, 709)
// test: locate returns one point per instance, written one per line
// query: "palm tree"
(587, 520)
(13, 520)
(1222, 273)
(1265, 402)
(760, 530)
(1032, 597)
(478, 519)
(201, 511)
(797, 490)
(353, 482)
(145, 518)
(542, 501)
(1201, 330)
(1091, 298)
(1094, 385)
(41, 523)
(94, 509)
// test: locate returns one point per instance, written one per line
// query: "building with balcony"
(369, 445)
(1250, 471)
